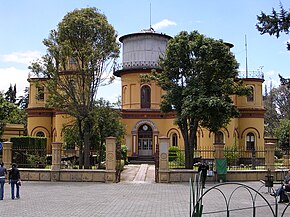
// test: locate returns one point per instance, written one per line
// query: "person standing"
(202, 170)
(3, 173)
(14, 180)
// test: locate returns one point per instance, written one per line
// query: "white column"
(134, 144)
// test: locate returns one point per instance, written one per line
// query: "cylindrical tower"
(141, 52)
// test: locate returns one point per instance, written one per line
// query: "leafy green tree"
(85, 40)
(275, 23)
(232, 154)
(199, 76)
(277, 105)
(10, 113)
(107, 122)
(282, 133)
(23, 100)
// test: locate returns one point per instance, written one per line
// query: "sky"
(25, 23)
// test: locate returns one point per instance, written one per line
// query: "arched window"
(174, 139)
(219, 137)
(250, 141)
(40, 134)
(124, 95)
(250, 98)
(145, 96)
(40, 93)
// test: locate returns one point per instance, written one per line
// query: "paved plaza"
(129, 198)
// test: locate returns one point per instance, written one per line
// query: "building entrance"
(145, 136)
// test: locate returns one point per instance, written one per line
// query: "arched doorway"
(145, 136)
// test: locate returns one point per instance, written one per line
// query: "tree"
(282, 133)
(10, 113)
(10, 94)
(277, 105)
(23, 101)
(107, 122)
(79, 57)
(275, 23)
(199, 76)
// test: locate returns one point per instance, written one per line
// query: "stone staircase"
(142, 160)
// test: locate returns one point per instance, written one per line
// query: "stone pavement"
(135, 195)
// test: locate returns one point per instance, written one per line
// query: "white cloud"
(163, 24)
(21, 57)
(13, 76)
(271, 73)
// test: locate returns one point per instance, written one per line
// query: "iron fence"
(237, 158)
(29, 157)
(177, 157)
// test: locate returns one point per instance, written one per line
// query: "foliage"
(23, 100)
(70, 137)
(79, 59)
(10, 94)
(29, 151)
(36, 161)
(277, 105)
(29, 142)
(107, 122)
(176, 156)
(124, 151)
(172, 153)
(274, 23)
(282, 133)
(278, 153)
(232, 154)
(199, 76)
(10, 113)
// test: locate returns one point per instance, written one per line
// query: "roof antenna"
(150, 18)
(246, 56)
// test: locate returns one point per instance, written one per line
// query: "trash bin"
(269, 180)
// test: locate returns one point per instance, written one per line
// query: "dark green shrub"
(278, 153)
(173, 153)
(124, 151)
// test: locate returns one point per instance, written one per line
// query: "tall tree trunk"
(81, 154)
(87, 162)
(184, 129)
(100, 152)
(87, 137)
(190, 141)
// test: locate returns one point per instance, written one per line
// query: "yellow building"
(140, 109)
(12, 130)
(141, 102)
